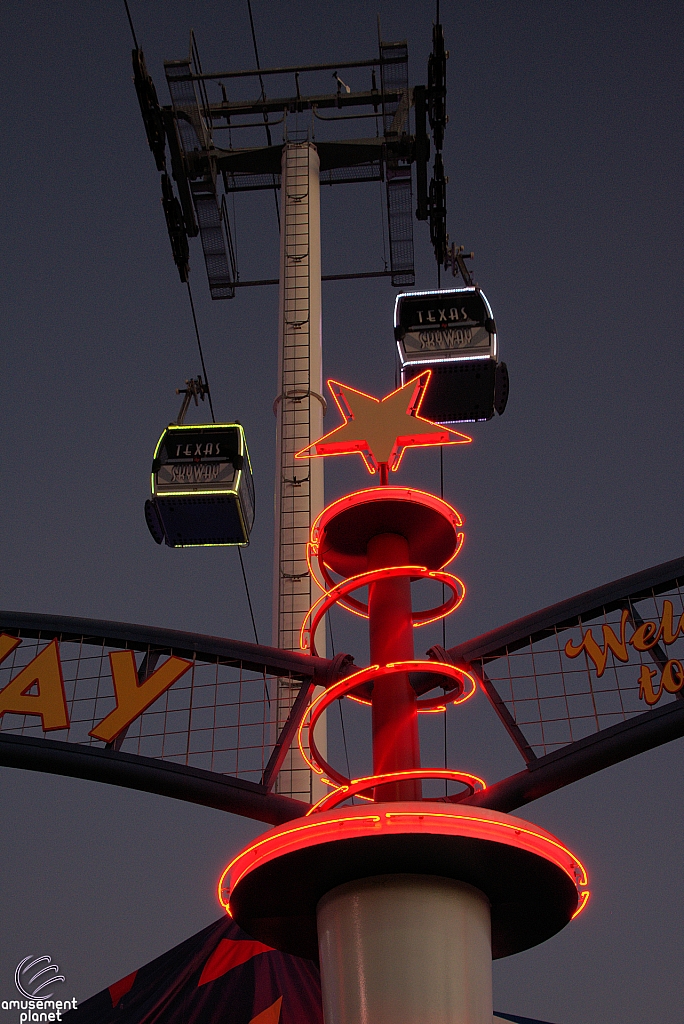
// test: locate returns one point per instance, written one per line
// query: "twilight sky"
(564, 156)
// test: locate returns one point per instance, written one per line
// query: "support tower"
(299, 408)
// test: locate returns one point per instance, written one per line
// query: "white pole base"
(405, 949)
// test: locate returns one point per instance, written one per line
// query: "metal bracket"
(299, 396)
(194, 388)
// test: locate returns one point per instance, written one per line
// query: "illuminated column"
(401, 948)
(404, 900)
(299, 410)
(396, 744)
(405, 949)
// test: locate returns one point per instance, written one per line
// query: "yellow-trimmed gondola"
(202, 486)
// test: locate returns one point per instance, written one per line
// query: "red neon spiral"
(357, 787)
(340, 590)
(464, 689)
(457, 682)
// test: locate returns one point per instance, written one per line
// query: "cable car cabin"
(202, 488)
(452, 332)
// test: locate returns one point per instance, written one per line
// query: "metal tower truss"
(293, 495)
(192, 134)
(215, 130)
(299, 411)
(395, 115)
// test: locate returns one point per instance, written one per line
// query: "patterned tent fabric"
(218, 975)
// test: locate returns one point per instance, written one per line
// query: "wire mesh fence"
(218, 716)
(593, 670)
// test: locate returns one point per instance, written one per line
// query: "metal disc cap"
(430, 525)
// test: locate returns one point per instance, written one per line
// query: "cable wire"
(130, 22)
(249, 600)
(332, 641)
(263, 96)
(201, 353)
(339, 703)
(197, 332)
(446, 753)
(344, 741)
(213, 419)
(383, 199)
(441, 494)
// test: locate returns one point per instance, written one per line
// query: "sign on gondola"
(452, 332)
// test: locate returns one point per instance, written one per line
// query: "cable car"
(202, 487)
(452, 332)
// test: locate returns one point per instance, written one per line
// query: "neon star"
(381, 430)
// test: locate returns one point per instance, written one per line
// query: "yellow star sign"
(380, 430)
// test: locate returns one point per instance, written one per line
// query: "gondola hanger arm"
(194, 388)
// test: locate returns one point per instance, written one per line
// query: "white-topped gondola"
(452, 332)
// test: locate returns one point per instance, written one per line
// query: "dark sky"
(564, 156)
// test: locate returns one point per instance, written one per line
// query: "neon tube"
(421, 618)
(317, 763)
(357, 787)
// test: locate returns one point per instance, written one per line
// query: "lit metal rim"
(405, 817)
(419, 358)
(441, 291)
(387, 493)
(238, 473)
(369, 496)
(409, 819)
(216, 544)
(473, 290)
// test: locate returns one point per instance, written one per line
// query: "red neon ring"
(472, 783)
(337, 690)
(387, 493)
(352, 604)
(421, 618)
(407, 817)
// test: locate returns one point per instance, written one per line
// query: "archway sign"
(577, 687)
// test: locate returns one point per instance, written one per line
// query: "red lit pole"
(409, 898)
(395, 716)
(396, 744)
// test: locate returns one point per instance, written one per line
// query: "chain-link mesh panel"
(591, 670)
(218, 716)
